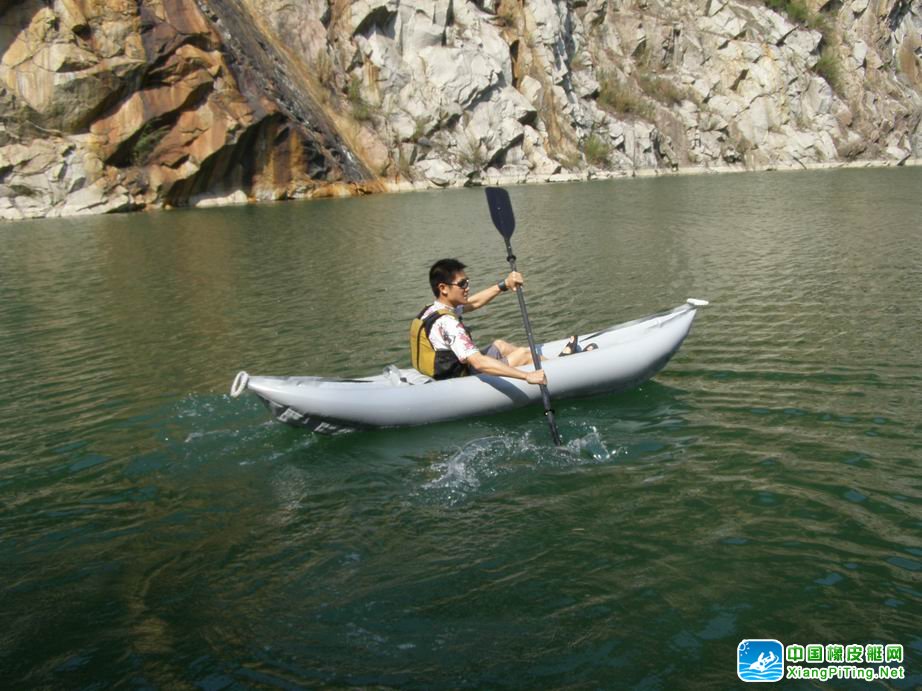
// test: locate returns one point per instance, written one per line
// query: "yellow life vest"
(438, 364)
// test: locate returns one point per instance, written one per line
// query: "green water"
(156, 533)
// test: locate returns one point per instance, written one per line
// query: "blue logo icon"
(760, 659)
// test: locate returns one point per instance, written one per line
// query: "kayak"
(627, 355)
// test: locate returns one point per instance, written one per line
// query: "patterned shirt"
(448, 334)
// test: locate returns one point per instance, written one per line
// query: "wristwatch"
(502, 286)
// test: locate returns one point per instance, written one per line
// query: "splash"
(591, 446)
(481, 464)
(463, 470)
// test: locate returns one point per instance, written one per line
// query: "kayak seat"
(405, 377)
(393, 375)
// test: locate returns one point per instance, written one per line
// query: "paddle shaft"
(545, 394)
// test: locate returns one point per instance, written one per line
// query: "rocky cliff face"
(118, 105)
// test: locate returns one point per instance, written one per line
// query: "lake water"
(156, 533)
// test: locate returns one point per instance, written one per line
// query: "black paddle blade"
(501, 210)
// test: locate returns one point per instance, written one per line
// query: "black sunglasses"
(462, 284)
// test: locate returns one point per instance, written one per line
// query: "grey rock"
(434, 92)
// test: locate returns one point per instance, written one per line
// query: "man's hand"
(514, 280)
(537, 377)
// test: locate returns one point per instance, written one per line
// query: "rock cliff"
(116, 105)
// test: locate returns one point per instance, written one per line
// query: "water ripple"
(157, 532)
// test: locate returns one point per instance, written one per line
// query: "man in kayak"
(440, 344)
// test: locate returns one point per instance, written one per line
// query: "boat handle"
(240, 384)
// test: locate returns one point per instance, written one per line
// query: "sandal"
(571, 348)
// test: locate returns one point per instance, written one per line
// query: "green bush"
(797, 10)
(597, 150)
(616, 97)
(360, 108)
(147, 141)
(828, 68)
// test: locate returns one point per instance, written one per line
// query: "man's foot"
(591, 346)
(572, 347)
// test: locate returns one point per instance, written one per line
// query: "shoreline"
(594, 175)
(488, 178)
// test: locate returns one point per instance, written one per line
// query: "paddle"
(504, 220)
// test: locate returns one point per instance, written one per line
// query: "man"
(440, 344)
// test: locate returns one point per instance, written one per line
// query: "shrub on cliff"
(146, 142)
(616, 97)
(828, 68)
(360, 108)
(797, 10)
(663, 90)
(596, 150)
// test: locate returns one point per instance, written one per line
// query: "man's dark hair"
(443, 271)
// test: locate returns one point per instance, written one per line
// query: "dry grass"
(472, 153)
(661, 89)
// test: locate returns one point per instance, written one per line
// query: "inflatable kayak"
(627, 355)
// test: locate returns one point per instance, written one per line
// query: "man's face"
(458, 290)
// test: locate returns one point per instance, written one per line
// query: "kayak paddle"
(504, 220)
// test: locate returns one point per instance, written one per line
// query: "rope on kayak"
(240, 384)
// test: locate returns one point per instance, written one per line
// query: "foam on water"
(466, 470)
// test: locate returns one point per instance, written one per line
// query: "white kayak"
(627, 355)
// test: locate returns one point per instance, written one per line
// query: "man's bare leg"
(516, 356)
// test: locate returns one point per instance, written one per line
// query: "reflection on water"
(158, 533)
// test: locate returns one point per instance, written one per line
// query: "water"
(156, 533)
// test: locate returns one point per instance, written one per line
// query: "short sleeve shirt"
(448, 334)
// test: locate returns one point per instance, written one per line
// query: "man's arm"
(487, 365)
(478, 300)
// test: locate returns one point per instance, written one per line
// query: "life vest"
(438, 364)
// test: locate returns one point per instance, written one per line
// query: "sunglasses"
(462, 284)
